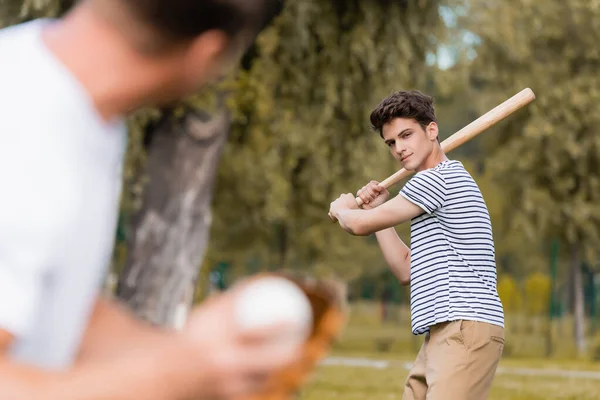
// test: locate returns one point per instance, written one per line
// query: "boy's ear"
(432, 131)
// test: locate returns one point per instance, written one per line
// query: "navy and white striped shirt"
(453, 268)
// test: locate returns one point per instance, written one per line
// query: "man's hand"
(233, 362)
(6, 340)
(221, 361)
(211, 359)
(346, 201)
(373, 195)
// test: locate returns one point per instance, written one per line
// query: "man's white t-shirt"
(60, 177)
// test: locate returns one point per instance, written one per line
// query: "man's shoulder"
(26, 61)
(39, 109)
(18, 40)
(22, 66)
(37, 89)
(17, 29)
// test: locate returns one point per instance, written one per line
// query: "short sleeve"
(26, 239)
(427, 189)
(29, 216)
(21, 276)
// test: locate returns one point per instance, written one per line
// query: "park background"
(238, 178)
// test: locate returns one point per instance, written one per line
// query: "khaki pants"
(457, 361)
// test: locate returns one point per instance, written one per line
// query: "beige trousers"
(457, 361)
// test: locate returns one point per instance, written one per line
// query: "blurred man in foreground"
(66, 86)
(450, 264)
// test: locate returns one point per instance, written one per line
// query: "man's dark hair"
(186, 19)
(404, 104)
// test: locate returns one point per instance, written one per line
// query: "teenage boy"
(450, 265)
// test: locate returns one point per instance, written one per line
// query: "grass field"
(520, 376)
(359, 383)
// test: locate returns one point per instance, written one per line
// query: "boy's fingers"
(380, 189)
(370, 191)
(364, 195)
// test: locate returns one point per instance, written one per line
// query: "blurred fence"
(377, 327)
(538, 313)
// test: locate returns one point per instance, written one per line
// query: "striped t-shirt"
(453, 268)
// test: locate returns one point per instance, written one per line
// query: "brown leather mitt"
(329, 317)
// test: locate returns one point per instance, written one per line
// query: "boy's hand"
(373, 195)
(345, 202)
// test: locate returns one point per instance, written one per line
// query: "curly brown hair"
(403, 104)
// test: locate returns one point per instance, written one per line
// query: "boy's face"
(409, 143)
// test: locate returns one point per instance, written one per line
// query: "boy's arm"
(396, 254)
(366, 222)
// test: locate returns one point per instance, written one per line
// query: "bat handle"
(358, 201)
(386, 183)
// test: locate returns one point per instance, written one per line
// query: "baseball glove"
(329, 317)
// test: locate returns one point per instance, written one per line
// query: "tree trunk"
(171, 231)
(578, 301)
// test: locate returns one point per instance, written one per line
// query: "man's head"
(406, 121)
(202, 37)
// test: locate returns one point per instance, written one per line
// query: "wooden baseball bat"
(467, 133)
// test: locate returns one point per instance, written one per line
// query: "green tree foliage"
(301, 134)
(509, 293)
(547, 156)
(15, 11)
(513, 256)
(537, 294)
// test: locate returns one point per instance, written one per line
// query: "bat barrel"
(489, 119)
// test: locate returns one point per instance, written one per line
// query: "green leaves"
(547, 157)
(301, 132)
(15, 11)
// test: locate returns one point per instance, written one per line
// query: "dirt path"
(383, 364)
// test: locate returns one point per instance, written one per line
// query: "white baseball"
(273, 300)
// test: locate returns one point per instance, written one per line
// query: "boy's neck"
(436, 157)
